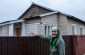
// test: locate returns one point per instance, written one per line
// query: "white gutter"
(11, 22)
(50, 13)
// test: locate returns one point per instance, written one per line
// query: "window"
(45, 30)
(81, 30)
(84, 30)
(48, 30)
(73, 29)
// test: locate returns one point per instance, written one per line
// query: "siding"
(11, 29)
(33, 21)
(63, 24)
(48, 20)
(32, 29)
(70, 22)
(32, 26)
(5, 30)
(38, 25)
(35, 10)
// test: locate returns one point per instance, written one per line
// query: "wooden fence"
(68, 44)
(23, 46)
(79, 45)
(75, 45)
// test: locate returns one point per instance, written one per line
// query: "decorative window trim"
(48, 29)
(82, 30)
(75, 32)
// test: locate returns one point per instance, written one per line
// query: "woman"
(57, 44)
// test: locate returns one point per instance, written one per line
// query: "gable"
(34, 10)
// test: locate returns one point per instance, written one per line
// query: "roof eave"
(11, 22)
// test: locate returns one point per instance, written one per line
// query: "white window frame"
(82, 30)
(0, 30)
(75, 29)
(48, 32)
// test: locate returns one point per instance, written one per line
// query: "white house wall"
(50, 19)
(38, 25)
(5, 30)
(78, 25)
(11, 29)
(23, 29)
(63, 24)
(33, 21)
(32, 29)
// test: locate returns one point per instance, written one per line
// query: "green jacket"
(59, 48)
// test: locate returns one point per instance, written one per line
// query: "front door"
(17, 29)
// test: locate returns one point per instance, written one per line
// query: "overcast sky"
(12, 9)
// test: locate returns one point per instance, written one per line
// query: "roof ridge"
(33, 3)
(44, 6)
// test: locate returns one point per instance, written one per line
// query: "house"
(39, 20)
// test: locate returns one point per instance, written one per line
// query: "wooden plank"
(25, 50)
(42, 46)
(38, 46)
(33, 45)
(46, 49)
(17, 50)
(4, 46)
(10, 46)
(20, 46)
(69, 45)
(0, 45)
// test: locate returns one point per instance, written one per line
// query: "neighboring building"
(39, 20)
